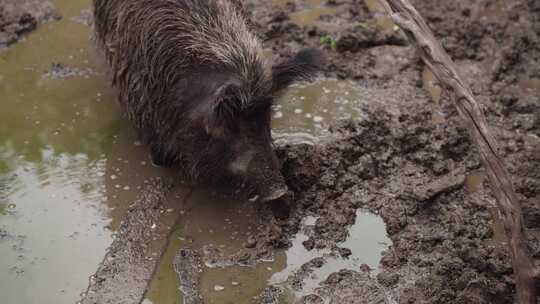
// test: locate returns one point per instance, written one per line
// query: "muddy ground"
(409, 164)
(409, 159)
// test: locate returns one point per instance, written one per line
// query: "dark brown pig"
(192, 78)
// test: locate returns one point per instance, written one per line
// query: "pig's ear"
(303, 66)
(223, 109)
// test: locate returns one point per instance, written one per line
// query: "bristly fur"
(192, 78)
(164, 38)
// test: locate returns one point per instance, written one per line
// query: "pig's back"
(152, 45)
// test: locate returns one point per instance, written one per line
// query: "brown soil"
(409, 168)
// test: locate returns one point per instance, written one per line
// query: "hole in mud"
(301, 114)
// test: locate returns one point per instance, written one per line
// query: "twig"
(418, 32)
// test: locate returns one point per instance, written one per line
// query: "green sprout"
(330, 41)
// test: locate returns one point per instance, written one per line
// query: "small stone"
(219, 288)
(317, 119)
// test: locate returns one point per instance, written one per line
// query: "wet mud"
(375, 139)
(407, 158)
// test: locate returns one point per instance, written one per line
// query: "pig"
(192, 78)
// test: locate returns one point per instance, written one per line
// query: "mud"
(397, 150)
(19, 17)
(408, 158)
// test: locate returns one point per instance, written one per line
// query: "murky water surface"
(211, 224)
(367, 240)
(304, 111)
(226, 228)
(69, 163)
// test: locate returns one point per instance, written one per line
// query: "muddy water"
(367, 240)
(382, 20)
(225, 224)
(68, 163)
(311, 13)
(302, 113)
(217, 228)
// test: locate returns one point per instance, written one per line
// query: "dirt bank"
(18, 17)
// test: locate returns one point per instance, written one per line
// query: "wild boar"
(192, 78)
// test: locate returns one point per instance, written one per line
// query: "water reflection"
(213, 223)
(303, 112)
(367, 241)
(69, 164)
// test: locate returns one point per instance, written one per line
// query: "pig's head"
(239, 150)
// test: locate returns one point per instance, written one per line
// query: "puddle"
(204, 225)
(302, 113)
(499, 235)
(69, 164)
(367, 240)
(474, 181)
(221, 224)
(382, 20)
(311, 15)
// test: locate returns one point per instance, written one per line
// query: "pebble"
(219, 288)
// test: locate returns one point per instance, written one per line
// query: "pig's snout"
(262, 171)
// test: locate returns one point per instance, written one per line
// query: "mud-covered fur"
(192, 78)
